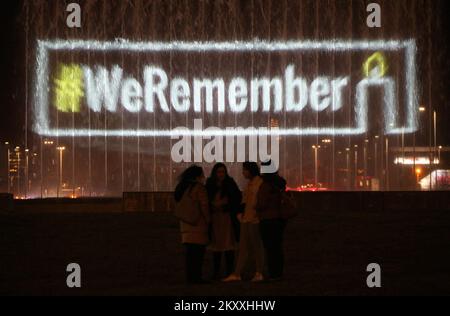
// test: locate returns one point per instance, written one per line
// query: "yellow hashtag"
(69, 88)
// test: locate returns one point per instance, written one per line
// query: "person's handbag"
(288, 205)
(187, 210)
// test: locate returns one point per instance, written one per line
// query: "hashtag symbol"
(69, 88)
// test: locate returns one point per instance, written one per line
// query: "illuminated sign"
(87, 87)
(104, 87)
(416, 161)
(436, 180)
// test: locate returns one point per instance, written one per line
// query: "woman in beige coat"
(250, 244)
(194, 237)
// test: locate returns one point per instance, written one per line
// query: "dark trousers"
(229, 262)
(194, 262)
(272, 231)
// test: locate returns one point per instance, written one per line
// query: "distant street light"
(356, 165)
(387, 164)
(347, 150)
(26, 172)
(376, 156)
(44, 174)
(435, 139)
(60, 149)
(9, 167)
(17, 150)
(366, 143)
(315, 165)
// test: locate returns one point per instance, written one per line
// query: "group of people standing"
(248, 224)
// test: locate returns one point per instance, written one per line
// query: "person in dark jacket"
(224, 199)
(194, 237)
(271, 223)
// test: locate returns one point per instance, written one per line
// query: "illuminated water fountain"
(115, 93)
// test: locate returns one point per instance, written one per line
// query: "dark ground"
(140, 254)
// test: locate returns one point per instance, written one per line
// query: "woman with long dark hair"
(194, 237)
(224, 198)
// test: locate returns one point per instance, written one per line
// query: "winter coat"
(268, 202)
(250, 199)
(197, 234)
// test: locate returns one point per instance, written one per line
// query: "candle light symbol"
(375, 66)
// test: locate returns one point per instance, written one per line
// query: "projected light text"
(81, 87)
